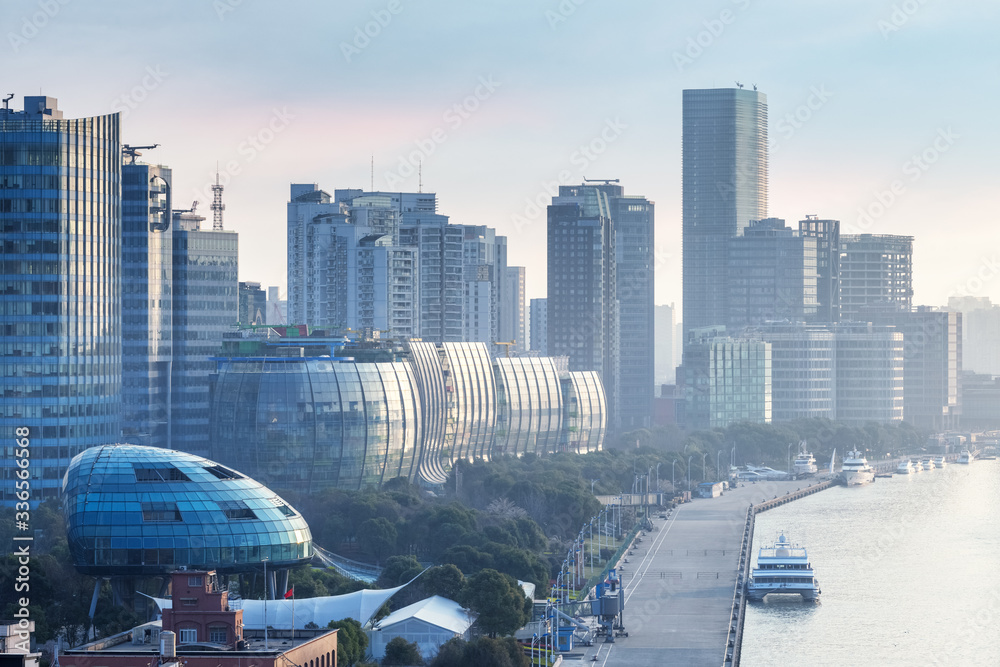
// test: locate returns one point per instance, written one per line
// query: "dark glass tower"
(60, 319)
(146, 304)
(724, 159)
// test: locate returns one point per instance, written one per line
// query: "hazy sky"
(298, 92)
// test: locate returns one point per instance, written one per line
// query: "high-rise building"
(724, 161)
(772, 275)
(440, 274)
(932, 363)
(981, 333)
(60, 312)
(147, 310)
(484, 272)
(253, 304)
(869, 373)
(539, 325)
(665, 367)
(803, 370)
(582, 291)
(875, 270)
(205, 308)
(827, 235)
(277, 308)
(724, 380)
(512, 321)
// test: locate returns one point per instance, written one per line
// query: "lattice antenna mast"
(217, 206)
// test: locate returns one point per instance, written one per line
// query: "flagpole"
(293, 612)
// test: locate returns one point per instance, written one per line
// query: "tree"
(483, 652)
(398, 570)
(377, 536)
(401, 652)
(444, 580)
(498, 600)
(352, 642)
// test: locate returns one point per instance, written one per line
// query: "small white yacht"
(805, 462)
(905, 468)
(856, 470)
(917, 465)
(928, 463)
(940, 462)
(965, 456)
(783, 568)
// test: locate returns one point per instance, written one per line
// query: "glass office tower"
(60, 366)
(147, 273)
(724, 161)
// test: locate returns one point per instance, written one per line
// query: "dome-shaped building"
(145, 511)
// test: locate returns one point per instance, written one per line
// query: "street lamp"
(673, 483)
(704, 477)
(592, 485)
(689, 471)
(718, 465)
(789, 463)
(658, 476)
(265, 602)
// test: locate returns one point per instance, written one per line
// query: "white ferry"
(928, 463)
(940, 462)
(805, 462)
(917, 465)
(855, 470)
(965, 456)
(783, 568)
(905, 468)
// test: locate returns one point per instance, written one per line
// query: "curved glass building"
(60, 294)
(530, 406)
(429, 374)
(315, 423)
(472, 394)
(143, 511)
(586, 412)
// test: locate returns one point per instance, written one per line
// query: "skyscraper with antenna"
(217, 206)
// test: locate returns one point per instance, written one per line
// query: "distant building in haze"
(875, 270)
(513, 316)
(253, 304)
(539, 324)
(665, 366)
(827, 235)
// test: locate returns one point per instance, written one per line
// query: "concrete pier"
(680, 582)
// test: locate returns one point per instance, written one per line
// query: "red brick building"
(209, 633)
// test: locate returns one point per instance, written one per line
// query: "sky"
(882, 112)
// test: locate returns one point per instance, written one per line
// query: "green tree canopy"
(498, 600)
(401, 653)
(352, 642)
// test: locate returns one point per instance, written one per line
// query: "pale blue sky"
(200, 77)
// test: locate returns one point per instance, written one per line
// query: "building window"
(189, 602)
(218, 634)
(194, 581)
(189, 635)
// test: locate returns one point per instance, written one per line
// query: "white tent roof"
(359, 605)
(436, 610)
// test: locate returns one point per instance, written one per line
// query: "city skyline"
(861, 82)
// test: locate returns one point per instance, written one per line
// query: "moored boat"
(783, 568)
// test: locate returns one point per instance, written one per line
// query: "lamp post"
(704, 476)
(789, 459)
(689, 471)
(265, 603)
(718, 465)
(658, 476)
(592, 485)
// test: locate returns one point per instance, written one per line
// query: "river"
(909, 569)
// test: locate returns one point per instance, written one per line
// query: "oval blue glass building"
(144, 511)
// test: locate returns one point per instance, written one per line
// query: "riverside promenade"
(679, 584)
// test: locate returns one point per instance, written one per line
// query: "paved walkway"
(679, 584)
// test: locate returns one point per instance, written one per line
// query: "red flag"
(290, 593)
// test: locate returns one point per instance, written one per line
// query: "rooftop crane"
(132, 152)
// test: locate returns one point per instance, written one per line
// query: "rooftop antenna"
(755, 86)
(217, 206)
(739, 85)
(6, 101)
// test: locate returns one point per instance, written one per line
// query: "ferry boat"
(928, 463)
(965, 456)
(940, 462)
(855, 470)
(805, 462)
(989, 453)
(783, 568)
(917, 465)
(905, 468)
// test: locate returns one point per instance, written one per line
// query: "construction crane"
(132, 152)
(506, 345)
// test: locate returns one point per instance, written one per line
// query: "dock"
(681, 581)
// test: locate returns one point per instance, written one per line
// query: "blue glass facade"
(143, 511)
(147, 273)
(315, 423)
(60, 337)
